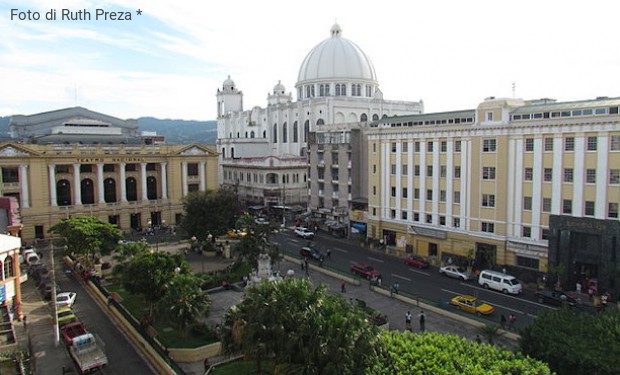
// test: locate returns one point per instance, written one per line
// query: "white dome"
(335, 59)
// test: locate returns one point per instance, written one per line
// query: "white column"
(184, 177)
(51, 169)
(77, 187)
(201, 173)
(23, 180)
(122, 182)
(164, 181)
(100, 182)
(143, 178)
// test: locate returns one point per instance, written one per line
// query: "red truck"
(72, 330)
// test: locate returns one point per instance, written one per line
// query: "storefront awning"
(359, 226)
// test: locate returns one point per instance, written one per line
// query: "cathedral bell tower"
(229, 99)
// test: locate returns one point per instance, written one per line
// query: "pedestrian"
(408, 320)
(343, 288)
(110, 300)
(329, 253)
(502, 321)
(321, 261)
(379, 280)
(302, 263)
(422, 320)
(504, 270)
(392, 291)
(207, 364)
(478, 339)
(396, 286)
(25, 321)
(511, 321)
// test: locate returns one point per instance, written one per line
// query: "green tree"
(87, 236)
(441, 354)
(149, 274)
(303, 329)
(127, 251)
(210, 212)
(184, 301)
(256, 241)
(575, 342)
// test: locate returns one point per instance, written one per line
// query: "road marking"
(507, 295)
(420, 272)
(339, 249)
(492, 303)
(401, 277)
(376, 260)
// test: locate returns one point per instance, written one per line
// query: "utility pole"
(283, 202)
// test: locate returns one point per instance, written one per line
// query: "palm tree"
(491, 332)
(185, 301)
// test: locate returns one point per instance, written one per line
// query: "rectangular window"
(11, 174)
(489, 145)
(589, 208)
(192, 169)
(429, 194)
(526, 262)
(393, 168)
(443, 171)
(569, 144)
(457, 197)
(487, 227)
(591, 176)
(546, 206)
(612, 210)
(393, 146)
(529, 174)
(65, 168)
(592, 143)
(405, 147)
(567, 206)
(548, 144)
(488, 200)
(457, 146)
(429, 146)
(548, 174)
(429, 171)
(489, 116)
(393, 191)
(568, 174)
(457, 172)
(614, 176)
(416, 170)
(416, 216)
(404, 192)
(529, 144)
(527, 203)
(416, 193)
(526, 232)
(614, 143)
(442, 195)
(393, 214)
(429, 219)
(488, 173)
(544, 234)
(444, 146)
(456, 222)
(403, 215)
(442, 220)
(416, 146)
(404, 169)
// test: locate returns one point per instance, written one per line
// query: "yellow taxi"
(65, 316)
(471, 304)
(236, 233)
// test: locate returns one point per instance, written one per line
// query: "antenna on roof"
(514, 89)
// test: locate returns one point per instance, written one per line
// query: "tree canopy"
(87, 235)
(575, 342)
(441, 354)
(302, 328)
(210, 212)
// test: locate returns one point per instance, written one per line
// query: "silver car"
(455, 272)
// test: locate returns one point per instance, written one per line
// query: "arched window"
(232, 152)
(8, 267)
(320, 122)
(264, 133)
(306, 130)
(151, 188)
(63, 193)
(132, 189)
(223, 153)
(295, 132)
(275, 133)
(252, 134)
(238, 135)
(363, 117)
(109, 190)
(246, 134)
(284, 133)
(230, 135)
(375, 117)
(88, 191)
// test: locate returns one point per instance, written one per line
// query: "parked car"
(236, 233)
(472, 304)
(556, 298)
(304, 232)
(261, 221)
(365, 271)
(455, 272)
(47, 291)
(65, 316)
(65, 299)
(311, 253)
(416, 261)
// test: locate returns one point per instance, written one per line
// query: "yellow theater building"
(78, 162)
(479, 186)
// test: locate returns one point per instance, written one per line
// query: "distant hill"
(175, 131)
(181, 131)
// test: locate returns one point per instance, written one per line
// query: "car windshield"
(459, 269)
(513, 281)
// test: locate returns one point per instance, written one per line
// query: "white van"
(500, 281)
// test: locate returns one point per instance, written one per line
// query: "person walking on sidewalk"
(343, 288)
(422, 318)
(408, 321)
(329, 253)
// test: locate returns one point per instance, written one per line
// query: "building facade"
(479, 186)
(304, 152)
(134, 186)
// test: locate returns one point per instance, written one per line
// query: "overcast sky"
(170, 61)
